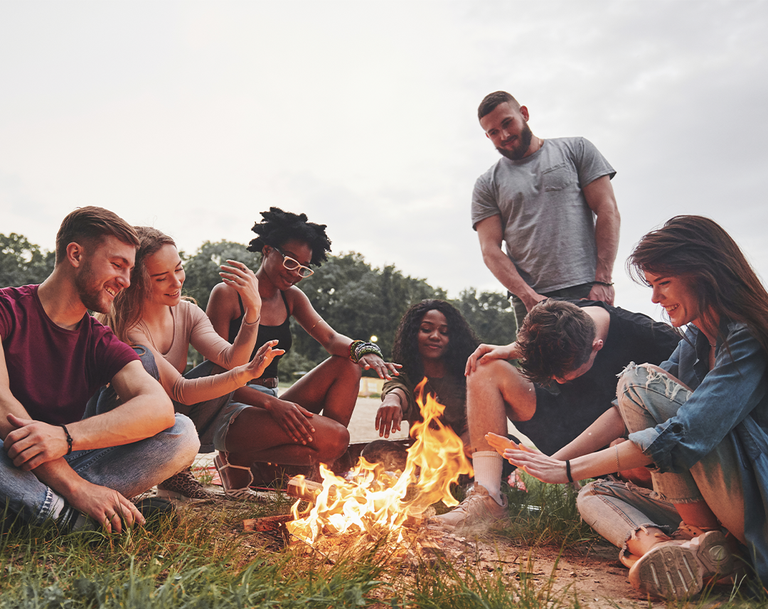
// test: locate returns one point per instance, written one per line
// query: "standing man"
(552, 204)
(53, 357)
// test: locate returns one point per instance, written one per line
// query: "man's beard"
(89, 293)
(524, 142)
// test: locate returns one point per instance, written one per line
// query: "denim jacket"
(729, 400)
(735, 387)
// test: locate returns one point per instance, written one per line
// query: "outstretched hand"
(537, 464)
(33, 443)
(383, 369)
(262, 359)
(388, 419)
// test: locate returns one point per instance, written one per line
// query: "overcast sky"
(194, 116)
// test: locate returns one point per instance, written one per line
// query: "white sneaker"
(678, 569)
(478, 509)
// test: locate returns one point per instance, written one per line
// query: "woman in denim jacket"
(699, 422)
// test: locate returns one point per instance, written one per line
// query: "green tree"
(490, 314)
(202, 268)
(360, 301)
(22, 262)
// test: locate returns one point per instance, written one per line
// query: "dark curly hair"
(462, 340)
(556, 338)
(699, 249)
(280, 226)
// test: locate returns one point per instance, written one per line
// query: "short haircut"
(494, 99)
(88, 226)
(556, 338)
(280, 226)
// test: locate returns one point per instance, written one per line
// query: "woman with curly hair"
(152, 313)
(433, 340)
(699, 422)
(289, 246)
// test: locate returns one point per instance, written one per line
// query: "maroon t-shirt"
(53, 372)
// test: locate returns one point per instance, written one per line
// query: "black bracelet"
(568, 470)
(605, 283)
(69, 438)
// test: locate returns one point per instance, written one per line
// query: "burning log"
(304, 489)
(372, 500)
(267, 523)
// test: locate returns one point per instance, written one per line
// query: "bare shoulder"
(296, 299)
(223, 299)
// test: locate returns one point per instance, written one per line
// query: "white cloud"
(194, 116)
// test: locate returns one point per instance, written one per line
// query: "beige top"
(192, 326)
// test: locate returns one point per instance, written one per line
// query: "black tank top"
(281, 333)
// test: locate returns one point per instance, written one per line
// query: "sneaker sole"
(673, 571)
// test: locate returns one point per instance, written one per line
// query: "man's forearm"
(136, 420)
(504, 270)
(607, 227)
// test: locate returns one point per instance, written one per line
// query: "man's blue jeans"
(130, 469)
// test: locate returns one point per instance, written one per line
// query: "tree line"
(355, 298)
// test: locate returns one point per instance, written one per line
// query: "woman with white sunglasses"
(289, 245)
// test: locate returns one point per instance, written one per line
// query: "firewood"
(266, 523)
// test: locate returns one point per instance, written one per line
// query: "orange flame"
(374, 501)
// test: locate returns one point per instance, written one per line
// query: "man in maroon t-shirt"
(53, 357)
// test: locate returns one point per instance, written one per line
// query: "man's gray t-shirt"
(548, 228)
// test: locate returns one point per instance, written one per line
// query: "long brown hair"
(128, 306)
(724, 282)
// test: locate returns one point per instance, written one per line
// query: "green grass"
(546, 514)
(207, 561)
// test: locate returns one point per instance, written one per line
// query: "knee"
(347, 367)
(489, 374)
(591, 496)
(183, 439)
(147, 360)
(334, 443)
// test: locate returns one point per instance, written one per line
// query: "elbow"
(166, 416)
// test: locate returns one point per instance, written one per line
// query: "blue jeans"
(616, 510)
(211, 417)
(648, 396)
(130, 469)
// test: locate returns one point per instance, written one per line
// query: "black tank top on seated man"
(281, 333)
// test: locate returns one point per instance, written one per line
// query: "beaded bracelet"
(69, 438)
(359, 348)
(568, 470)
(605, 283)
(352, 346)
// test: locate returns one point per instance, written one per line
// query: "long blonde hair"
(128, 306)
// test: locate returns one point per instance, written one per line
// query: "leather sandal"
(238, 494)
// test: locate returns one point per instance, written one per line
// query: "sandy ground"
(592, 573)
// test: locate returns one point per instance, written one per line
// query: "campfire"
(373, 501)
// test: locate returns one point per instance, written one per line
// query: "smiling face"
(507, 127)
(433, 336)
(677, 296)
(104, 270)
(280, 276)
(166, 276)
